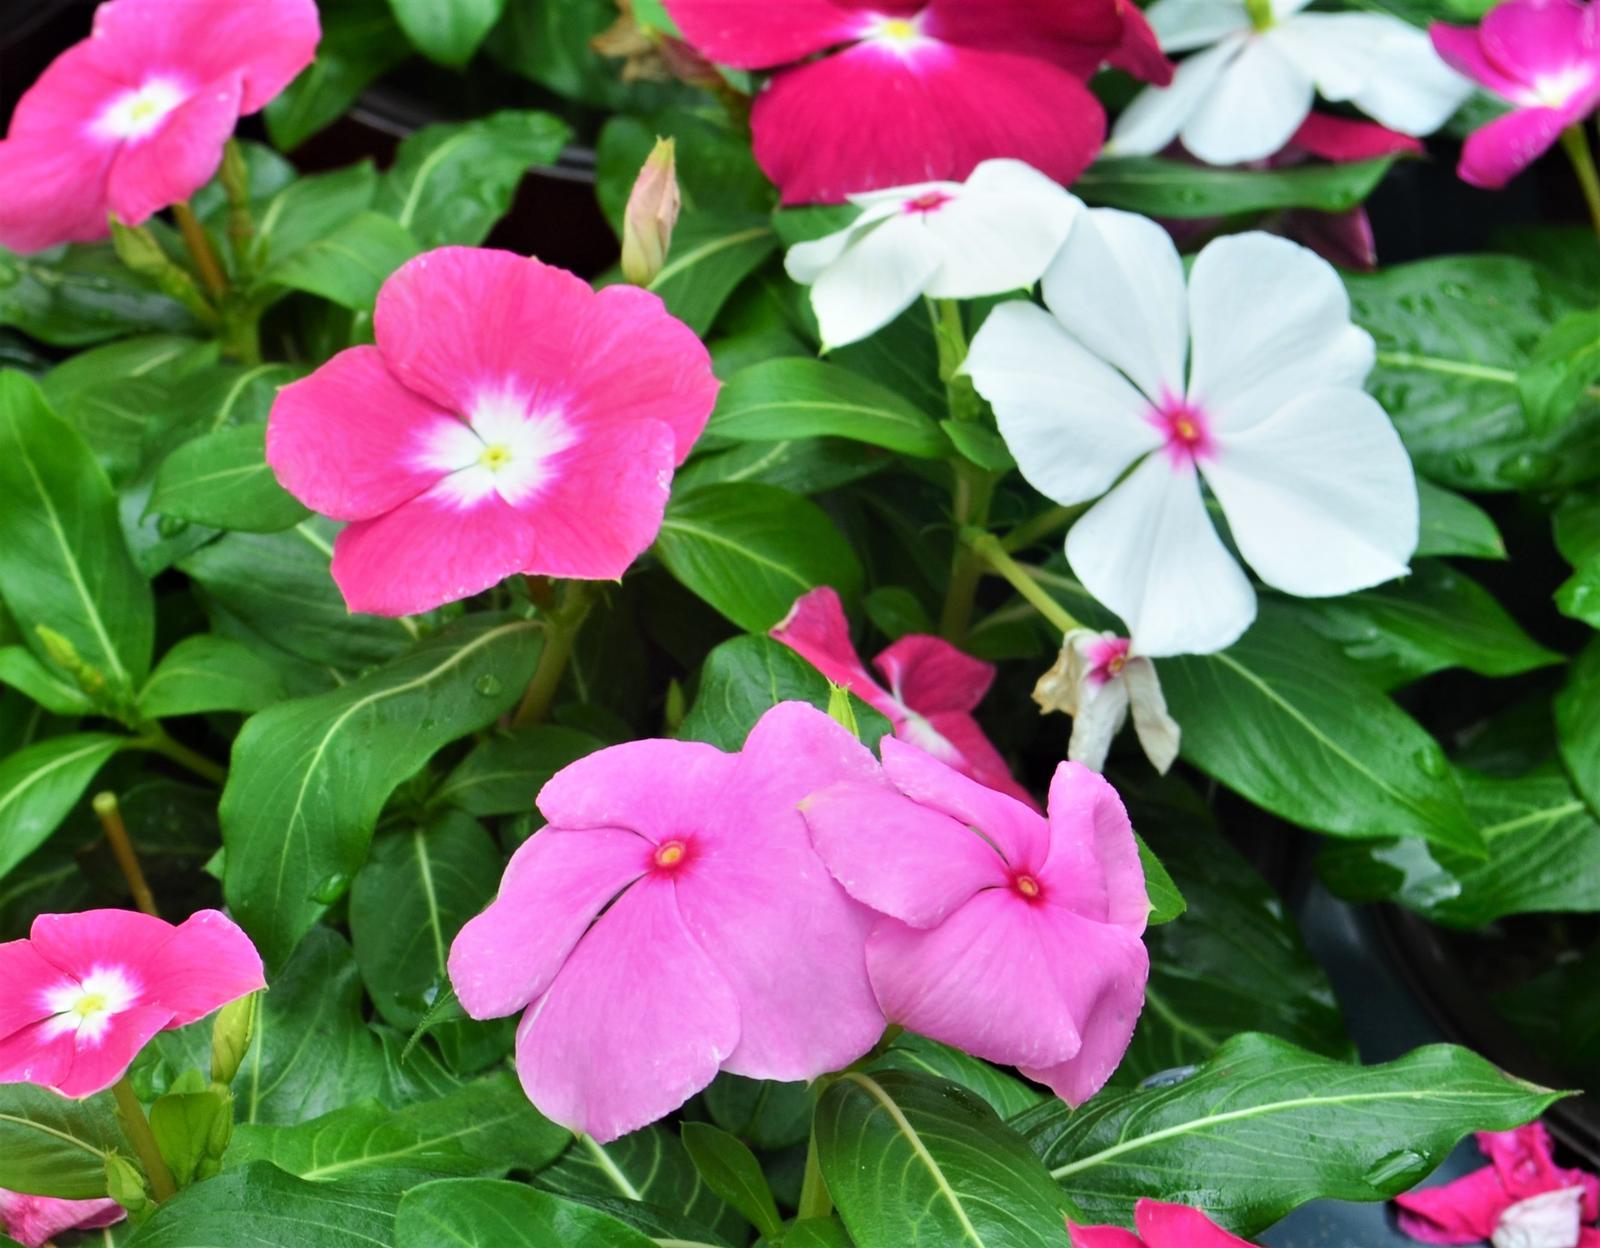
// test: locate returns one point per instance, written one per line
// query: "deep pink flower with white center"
(509, 419)
(1013, 937)
(1160, 1226)
(1138, 386)
(134, 118)
(85, 992)
(1522, 1199)
(1541, 56)
(33, 1221)
(935, 86)
(933, 688)
(671, 921)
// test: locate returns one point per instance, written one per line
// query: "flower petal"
(178, 159)
(1102, 710)
(1321, 498)
(1140, 53)
(1093, 868)
(928, 674)
(34, 1221)
(878, 277)
(658, 789)
(970, 751)
(1149, 552)
(25, 980)
(637, 1021)
(1152, 122)
(758, 34)
(1344, 139)
(1271, 320)
(78, 943)
(1463, 1212)
(1102, 1237)
(1077, 35)
(1257, 105)
(1158, 733)
(1460, 48)
(207, 962)
(1183, 25)
(816, 629)
(1499, 151)
(1072, 422)
(1178, 1226)
(1532, 39)
(80, 1063)
(1017, 830)
(1001, 233)
(556, 884)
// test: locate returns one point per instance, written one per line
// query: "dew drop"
(488, 684)
(1430, 761)
(170, 527)
(1527, 468)
(1397, 1170)
(1166, 1078)
(330, 888)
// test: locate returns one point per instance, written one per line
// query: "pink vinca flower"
(1543, 57)
(134, 118)
(933, 688)
(1522, 1199)
(33, 1221)
(509, 419)
(935, 86)
(673, 921)
(1160, 1226)
(85, 992)
(1013, 937)
(1098, 680)
(1249, 380)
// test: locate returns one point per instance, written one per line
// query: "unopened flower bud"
(125, 1184)
(65, 656)
(230, 1037)
(652, 213)
(840, 710)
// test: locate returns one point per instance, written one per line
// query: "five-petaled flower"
(932, 687)
(509, 419)
(933, 86)
(1011, 936)
(1543, 57)
(33, 1221)
(991, 235)
(1159, 1226)
(1244, 97)
(1097, 680)
(673, 921)
(1251, 382)
(84, 993)
(134, 118)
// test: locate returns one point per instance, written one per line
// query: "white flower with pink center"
(992, 234)
(1098, 680)
(1247, 383)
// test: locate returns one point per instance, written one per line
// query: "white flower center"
(88, 1006)
(1556, 90)
(503, 447)
(137, 114)
(899, 34)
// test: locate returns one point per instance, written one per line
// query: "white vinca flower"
(1244, 97)
(1250, 380)
(993, 234)
(1097, 680)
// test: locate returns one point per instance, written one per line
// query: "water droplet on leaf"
(488, 684)
(1398, 1170)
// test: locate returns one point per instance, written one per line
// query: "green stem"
(241, 336)
(137, 1128)
(561, 635)
(1576, 144)
(990, 552)
(157, 741)
(974, 490)
(109, 812)
(199, 244)
(815, 1202)
(1042, 525)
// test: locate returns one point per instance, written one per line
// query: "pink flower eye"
(671, 854)
(1027, 886)
(931, 202)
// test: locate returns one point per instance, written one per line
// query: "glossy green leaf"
(204, 673)
(360, 42)
(502, 775)
(309, 209)
(41, 783)
(651, 1166)
(310, 777)
(192, 1128)
(917, 1162)
(712, 252)
(731, 1170)
(1166, 902)
(348, 265)
(1006, 1094)
(1174, 189)
(447, 31)
(1561, 371)
(222, 480)
(762, 1112)
(716, 170)
(1264, 1127)
(1453, 525)
(1578, 723)
(800, 398)
(260, 1204)
(70, 296)
(485, 1213)
(53, 1146)
(817, 1233)
(44, 682)
(751, 550)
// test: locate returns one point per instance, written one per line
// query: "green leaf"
(1578, 598)
(310, 777)
(1264, 1127)
(733, 1173)
(41, 783)
(716, 170)
(64, 563)
(650, 1166)
(348, 265)
(192, 1128)
(1173, 189)
(360, 42)
(222, 480)
(1452, 525)
(485, 1213)
(552, 42)
(1561, 371)
(763, 1112)
(447, 31)
(46, 685)
(979, 444)
(1578, 723)
(53, 1146)
(785, 399)
(1006, 1094)
(260, 1204)
(817, 1233)
(204, 673)
(502, 775)
(1166, 902)
(451, 183)
(712, 252)
(409, 901)
(917, 1162)
(1284, 719)
(751, 550)
(745, 678)
(309, 209)
(72, 296)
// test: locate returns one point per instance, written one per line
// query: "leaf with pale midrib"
(53, 1146)
(259, 1204)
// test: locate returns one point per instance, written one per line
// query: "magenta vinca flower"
(33, 1221)
(935, 86)
(509, 419)
(1543, 57)
(933, 688)
(85, 992)
(1013, 937)
(673, 921)
(134, 118)
(1159, 1226)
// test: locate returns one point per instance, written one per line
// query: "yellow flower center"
(670, 854)
(495, 457)
(88, 1004)
(898, 28)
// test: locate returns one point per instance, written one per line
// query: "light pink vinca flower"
(671, 921)
(1522, 1199)
(933, 688)
(934, 86)
(509, 419)
(1543, 57)
(1160, 1226)
(1013, 937)
(34, 1221)
(85, 992)
(1098, 680)
(134, 118)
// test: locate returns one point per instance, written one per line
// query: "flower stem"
(157, 741)
(199, 244)
(987, 548)
(1576, 144)
(974, 489)
(137, 1128)
(1042, 525)
(561, 635)
(815, 1202)
(109, 813)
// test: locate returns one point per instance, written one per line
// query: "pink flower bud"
(652, 212)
